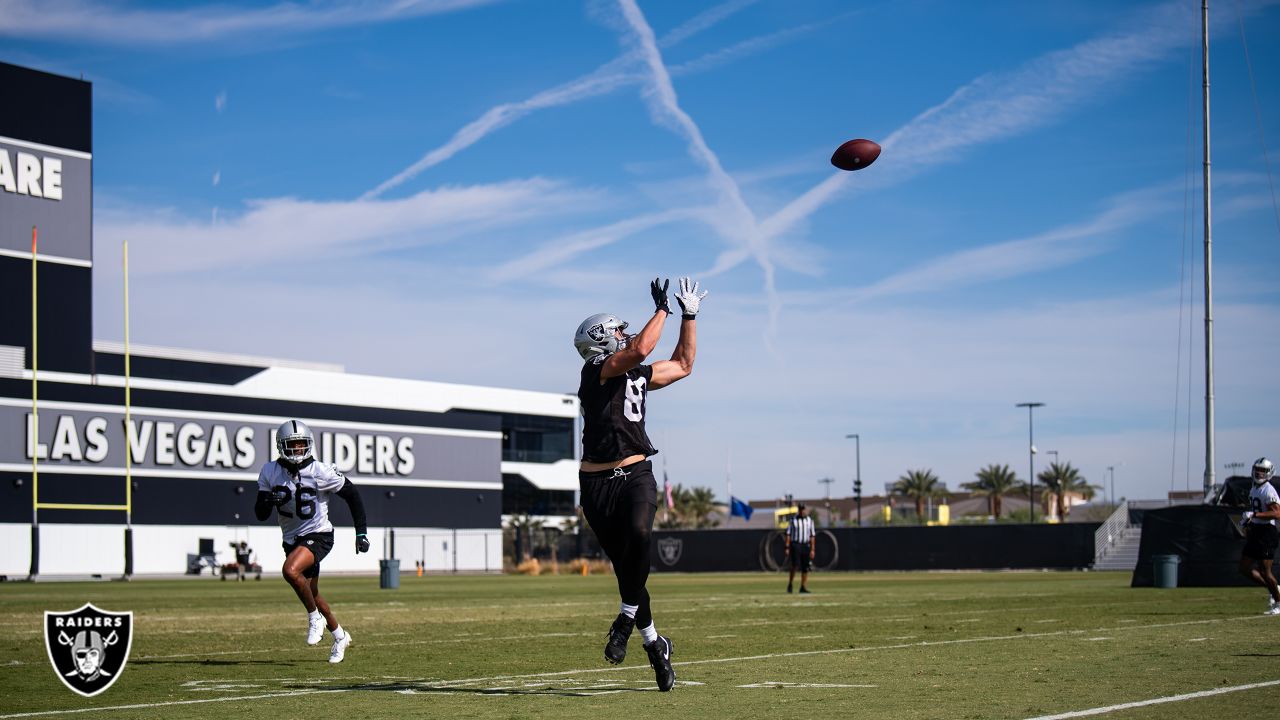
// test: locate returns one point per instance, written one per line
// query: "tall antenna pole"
(128, 431)
(1208, 267)
(35, 410)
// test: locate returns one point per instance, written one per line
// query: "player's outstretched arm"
(680, 365)
(643, 343)
(351, 496)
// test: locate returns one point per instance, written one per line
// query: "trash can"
(389, 574)
(1166, 570)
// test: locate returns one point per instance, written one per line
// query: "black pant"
(619, 506)
(800, 556)
(1261, 540)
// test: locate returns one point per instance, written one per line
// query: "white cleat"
(315, 632)
(1273, 609)
(339, 650)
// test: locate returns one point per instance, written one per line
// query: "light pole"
(1031, 455)
(1054, 453)
(827, 503)
(1111, 471)
(857, 480)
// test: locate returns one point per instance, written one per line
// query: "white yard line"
(1157, 701)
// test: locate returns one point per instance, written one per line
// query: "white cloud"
(1049, 249)
(563, 249)
(735, 222)
(603, 80)
(220, 102)
(217, 177)
(118, 24)
(276, 228)
(1002, 105)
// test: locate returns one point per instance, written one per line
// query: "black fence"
(1206, 538)
(972, 547)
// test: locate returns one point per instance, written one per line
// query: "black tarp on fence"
(1205, 537)
(971, 547)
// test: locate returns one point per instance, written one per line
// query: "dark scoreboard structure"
(93, 485)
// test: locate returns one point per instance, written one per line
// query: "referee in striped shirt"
(800, 548)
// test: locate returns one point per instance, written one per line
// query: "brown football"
(855, 154)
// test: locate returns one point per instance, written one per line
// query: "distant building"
(438, 463)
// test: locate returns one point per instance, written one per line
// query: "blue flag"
(739, 508)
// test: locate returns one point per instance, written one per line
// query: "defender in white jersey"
(298, 489)
(1261, 533)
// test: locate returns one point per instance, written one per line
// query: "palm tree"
(692, 508)
(994, 481)
(919, 485)
(1061, 479)
(699, 504)
(526, 529)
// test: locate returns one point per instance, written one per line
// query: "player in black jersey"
(619, 493)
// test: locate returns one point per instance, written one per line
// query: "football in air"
(855, 154)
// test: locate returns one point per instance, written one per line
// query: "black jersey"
(613, 413)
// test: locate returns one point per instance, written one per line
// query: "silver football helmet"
(1263, 469)
(596, 336)
(295, 442)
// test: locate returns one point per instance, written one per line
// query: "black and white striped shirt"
(800, 529)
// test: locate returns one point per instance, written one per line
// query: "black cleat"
(788, 588)
(615, 651)
(804, 590)
(660, 651)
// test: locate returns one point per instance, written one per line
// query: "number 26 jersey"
(307, 489)
(613, 413)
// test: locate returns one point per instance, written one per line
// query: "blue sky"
(443, 190)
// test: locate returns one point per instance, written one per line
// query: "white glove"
(1246, 517)
(689, 298)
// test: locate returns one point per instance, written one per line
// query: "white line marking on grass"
(715, 637)
(771, 684)
(446, 684)
(1196, 639)
(143, 706)
(1095, 639)
(809, 637)
(1053, 620)
(1157, 701)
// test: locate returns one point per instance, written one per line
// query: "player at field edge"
(618, 490)
(298, 489)
(1261, 534)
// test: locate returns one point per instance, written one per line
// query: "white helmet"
(1262, 471)
(596, 336)
(291, 433)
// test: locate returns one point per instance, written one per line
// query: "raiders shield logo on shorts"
(669, 550)
(88, 647)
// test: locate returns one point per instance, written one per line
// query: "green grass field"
(901, 645)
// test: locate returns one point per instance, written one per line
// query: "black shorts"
(1260, 541)
(608, 496)
(800, 556)
(318, 543)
